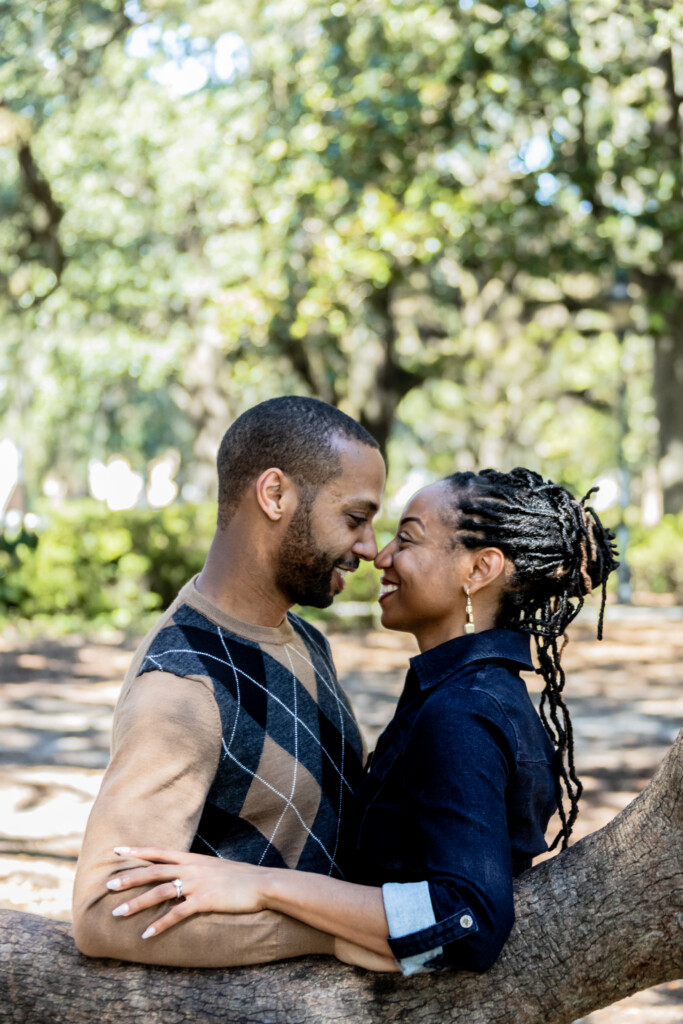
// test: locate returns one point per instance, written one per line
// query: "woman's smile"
(387, 587)
(419, 588)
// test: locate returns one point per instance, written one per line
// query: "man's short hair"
(294, 433)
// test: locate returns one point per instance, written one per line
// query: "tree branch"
(47, 238)
(675, 99)
(594, 924)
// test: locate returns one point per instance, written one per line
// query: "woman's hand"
(353, 913)
(204, 884)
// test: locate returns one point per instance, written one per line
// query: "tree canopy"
(417, 211)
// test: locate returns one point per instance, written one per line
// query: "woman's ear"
(275, 494)
(487, 565)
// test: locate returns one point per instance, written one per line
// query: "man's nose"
(366, 546)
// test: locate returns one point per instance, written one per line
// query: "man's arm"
(167, 741)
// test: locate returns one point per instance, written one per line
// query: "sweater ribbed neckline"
(282, 634)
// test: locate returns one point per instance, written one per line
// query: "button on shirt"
(456, 802)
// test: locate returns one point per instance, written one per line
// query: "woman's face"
(423, 574)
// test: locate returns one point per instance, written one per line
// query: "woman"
(466, 776)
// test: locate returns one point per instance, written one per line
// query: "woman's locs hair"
(560, 552)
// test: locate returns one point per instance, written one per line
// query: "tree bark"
(392, 382)
(668, 391)
(594, 924)
(668, 368)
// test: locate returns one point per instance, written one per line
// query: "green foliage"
(90, 565)
(112, 567)
(654, 556)
(119, 568)
(412, 210)
(16, 547)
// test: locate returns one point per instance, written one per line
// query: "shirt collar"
(434, 665)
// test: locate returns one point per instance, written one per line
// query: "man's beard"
(304, 572)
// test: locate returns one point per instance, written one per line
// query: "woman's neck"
(431, 635)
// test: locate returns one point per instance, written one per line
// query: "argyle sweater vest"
(291, 750)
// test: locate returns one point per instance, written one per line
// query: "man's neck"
(240, 587)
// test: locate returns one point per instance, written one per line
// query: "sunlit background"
(459, 222)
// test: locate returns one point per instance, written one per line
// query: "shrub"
(117, 568)
(121, 568)
(655, 557)
(102, 565)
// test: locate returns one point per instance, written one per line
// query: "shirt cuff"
(409, 909)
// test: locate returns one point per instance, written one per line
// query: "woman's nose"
(384, 558)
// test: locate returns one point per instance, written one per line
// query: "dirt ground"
(56, 702)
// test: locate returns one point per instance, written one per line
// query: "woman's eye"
(402, 538)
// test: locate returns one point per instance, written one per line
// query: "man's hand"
(197, 883)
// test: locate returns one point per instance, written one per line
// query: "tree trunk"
(392, 382)
(668, 390)
(595, 924)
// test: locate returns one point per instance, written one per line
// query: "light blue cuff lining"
(408, 906)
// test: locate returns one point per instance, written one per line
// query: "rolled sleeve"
(416, 938)
(410, 914)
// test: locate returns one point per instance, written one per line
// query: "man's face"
(332, 529)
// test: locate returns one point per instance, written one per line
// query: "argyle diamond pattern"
(291, 748)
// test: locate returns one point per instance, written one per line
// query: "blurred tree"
(410, 210)
(440, 184)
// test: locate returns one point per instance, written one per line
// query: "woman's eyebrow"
(411, 519)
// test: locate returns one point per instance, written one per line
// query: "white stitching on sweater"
(296, 765)
(272, 696)
(277, 792)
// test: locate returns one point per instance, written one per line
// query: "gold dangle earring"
(469, 625)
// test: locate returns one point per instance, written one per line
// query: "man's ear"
(487, 566)
(275, 493)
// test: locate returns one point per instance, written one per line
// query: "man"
(231, 735)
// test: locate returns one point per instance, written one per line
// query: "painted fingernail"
(120, 911)
(115, 883)
(149, 932)
(122, 849)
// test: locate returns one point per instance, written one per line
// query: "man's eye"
(357, 520)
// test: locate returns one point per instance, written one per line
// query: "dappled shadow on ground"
(57, 698)
(56, 701)
(56, 704)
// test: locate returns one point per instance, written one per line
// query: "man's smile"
(340, 570)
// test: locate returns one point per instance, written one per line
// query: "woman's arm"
(459, 757)
(357, 956)
(353, 913)
(344, 909)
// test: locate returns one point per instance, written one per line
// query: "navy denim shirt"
(455, 802)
